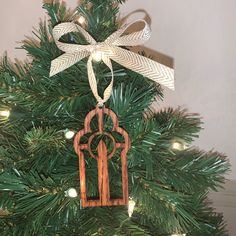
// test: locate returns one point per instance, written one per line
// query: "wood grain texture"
(102, 158)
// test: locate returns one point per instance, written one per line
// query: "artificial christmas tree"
(41, 111)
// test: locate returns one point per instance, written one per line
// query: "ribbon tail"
(93, 82)
(108, 91)
(65, 61)
(155, 71)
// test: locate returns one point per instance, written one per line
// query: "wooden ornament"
(102, 158)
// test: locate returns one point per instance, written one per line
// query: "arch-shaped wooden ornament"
(102, 158)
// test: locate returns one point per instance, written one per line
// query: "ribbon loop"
(106, 51)
(131, 39)
(69, 27)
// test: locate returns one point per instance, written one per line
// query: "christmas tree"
(168, 180)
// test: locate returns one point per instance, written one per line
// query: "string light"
(69, 134)
(71, 192)
(131, 206)
(5, 113)
(178, 145)
(81, 20)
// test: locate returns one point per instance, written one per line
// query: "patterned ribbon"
(109, 50)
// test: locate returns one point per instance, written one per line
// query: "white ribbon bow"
(109, 50)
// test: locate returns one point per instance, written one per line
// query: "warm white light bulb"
(97, 56)
(131, 206)
(5, 113)
(71, 192)
(81, 20)
(178, 146)
(69, 134)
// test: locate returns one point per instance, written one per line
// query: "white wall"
(201, 38)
